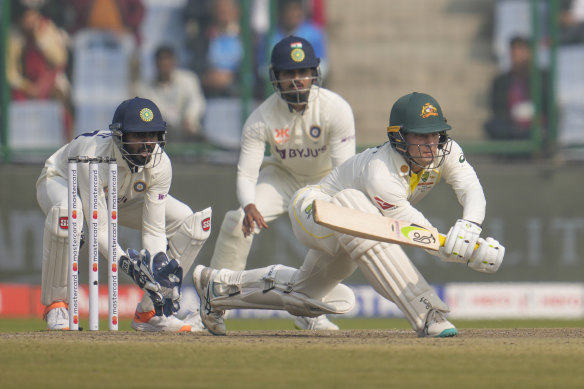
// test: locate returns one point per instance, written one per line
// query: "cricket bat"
(375, 227)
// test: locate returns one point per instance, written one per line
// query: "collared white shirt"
(306, 144)
(384, 176)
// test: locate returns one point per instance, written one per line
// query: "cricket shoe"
(315, 323)
(213, 320)
(437, 326)
(57, 316)
(149, 322)
(194, 320)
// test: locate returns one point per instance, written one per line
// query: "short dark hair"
(18, 9)
(519, 40)
(283, 4)
(164, 50)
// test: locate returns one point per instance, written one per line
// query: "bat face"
(418, 234)
(374, 226)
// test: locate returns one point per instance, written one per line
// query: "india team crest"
(140, 186)
(297, 55)
(315, 132)
(146, 114)
(428, 110)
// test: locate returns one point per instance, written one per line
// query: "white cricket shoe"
(57, 316)
(149, 322)
(213, 320)
(194, 320)
(437, 326)
(315, 323)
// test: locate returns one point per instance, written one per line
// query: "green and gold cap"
(417, 113)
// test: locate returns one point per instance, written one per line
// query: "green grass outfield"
(366, 353)
(37, 324)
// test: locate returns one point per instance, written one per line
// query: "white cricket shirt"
(306, 144)
(384, 176)
(150, 184)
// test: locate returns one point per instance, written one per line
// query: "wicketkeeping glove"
(159, 276)
(168, 274)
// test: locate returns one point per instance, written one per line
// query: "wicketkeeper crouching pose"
(136, 139)
(384, 180)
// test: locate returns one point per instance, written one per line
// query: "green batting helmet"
(418, 113)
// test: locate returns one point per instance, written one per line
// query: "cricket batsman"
(309, 130)
(171, 233)
(387, 180)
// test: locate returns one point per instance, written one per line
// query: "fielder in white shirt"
(386, 180)
(136, 140)
(309, 130)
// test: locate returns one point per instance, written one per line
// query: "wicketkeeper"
(172, 234)
(386, 180)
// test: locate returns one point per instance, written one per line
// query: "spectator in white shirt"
(179, 95)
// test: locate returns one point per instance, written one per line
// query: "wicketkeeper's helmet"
(139, 115)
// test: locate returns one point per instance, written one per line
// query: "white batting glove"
(488, 257)
(460, 242)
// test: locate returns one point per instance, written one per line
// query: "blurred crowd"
(185, 55)
(511, 99)
(79, 58)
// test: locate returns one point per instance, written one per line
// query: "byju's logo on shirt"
(301, 152)
(282, 135)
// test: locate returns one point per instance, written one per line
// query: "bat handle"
(442, 239)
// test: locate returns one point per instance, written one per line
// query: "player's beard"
(142, 156)
(296, 97)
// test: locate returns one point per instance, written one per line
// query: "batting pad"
(231, 248)
(355, 199)
(387, 268)
(391, 273)
(185, 244)
(55, 257)
(272, 288)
